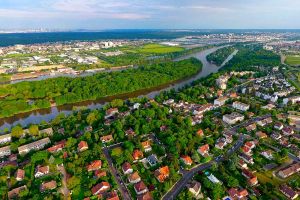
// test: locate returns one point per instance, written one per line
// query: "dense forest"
(250, 57)
(26, 96)
(219, 56)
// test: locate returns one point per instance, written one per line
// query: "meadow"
(293, 60)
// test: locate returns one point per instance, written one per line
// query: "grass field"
(159, 49)
(293, 60)
(4, 78)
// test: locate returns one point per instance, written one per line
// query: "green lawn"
(293, 60)
(159, 49)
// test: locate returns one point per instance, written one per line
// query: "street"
(188, 175)
(121, 186)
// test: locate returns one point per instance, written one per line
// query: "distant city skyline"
(142, 14)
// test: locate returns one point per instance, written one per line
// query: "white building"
(233, 118)
(34, 146)
(5, 151)
(222, 82)
(240, 106)
(5, 138)
(220, 101)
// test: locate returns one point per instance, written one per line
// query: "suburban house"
(82, 146)
(288, 191)
(99, 173)
(278, 125)
(48, 185)
(228, 137)
(47, 131)
(287, 131)
(94, 165)
(5, 138)
(233, 118)
(220, 101)
(134, 177)
(129, 132)
(146, 146)
(275, 136)
(16, 191)
(250, 144)
(240, 106)
(137, 154)
(242, 164)
(41, 171)
(203, 150)
(200, 133)
(246, 150)
(162, 173)
(221, 143)
(252, 179)
(195, 188)
(140, 188)
(113, 195)
(20, 174)
(111, 112)
(152, 160)
(202, 109)
(289, 170)
(246, 158)
(5, 151)
(251, 127)
(126, 168)
(106, 138)
(37, 145)
(261, 135)
(238, 194)
(265, 121)
(268, 154)
(186, 160)
(57, 147)
(145, 196)
(100, 188)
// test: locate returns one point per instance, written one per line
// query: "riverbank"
(46, 115)
(28, 96)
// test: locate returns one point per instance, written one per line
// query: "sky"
(150, 14)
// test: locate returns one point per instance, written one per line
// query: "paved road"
(121, 186)
(188, 175)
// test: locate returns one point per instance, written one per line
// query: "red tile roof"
(137, 154)
(100, 188)
(57, 147)
(96, 164)
(82, 146)
(187, 160)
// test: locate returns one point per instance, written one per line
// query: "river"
(37, 116)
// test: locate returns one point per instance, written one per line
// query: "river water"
(36, 117)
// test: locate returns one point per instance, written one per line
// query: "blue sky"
(120, 14)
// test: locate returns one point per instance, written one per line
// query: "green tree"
(91, 118)
(34, 130)
(17, 131)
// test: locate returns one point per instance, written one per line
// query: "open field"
(159, 49)
(293, 60)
